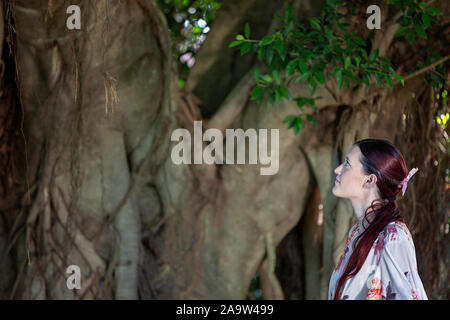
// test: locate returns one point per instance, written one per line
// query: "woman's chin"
(335, 191)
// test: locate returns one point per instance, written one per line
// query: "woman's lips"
(336, 180)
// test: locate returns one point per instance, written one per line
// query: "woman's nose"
(337, 170)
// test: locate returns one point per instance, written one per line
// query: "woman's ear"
(371, 179)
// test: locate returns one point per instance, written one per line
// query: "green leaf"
(434, 11)
(373, 56)
(283, 53)
(410, 36)
(291, 66)
(399, 78)
(247, 30)
(348, 61)
(333, 71)
(234, 43)
(350, 75)
(281, 48)
(277, 94)
(378, 78)
(266, 40)
(329, 34)
(290, 119)
(197, 30)
(288, 14)
(426, 19)
(319, 76)
(261, 53)
(239, 37)
(269, 54)
(301, 101)
(272, 96)
(401, 31)
(278, 45)
(302, 65)
(386, 61)
(359, 41)
(339, 79)
(358, 60)
(284, 92)
(289, 28)
(245, 48)
(338, 49)
(276, 75)
(267, 78)
(363, 52)
(312, 85)
(366, 80)
(350, 46)
(311, 119)
(298, 125)
(256, 93)
(257, 74)
(420, 31)
(302, 77)
(388, 81)
(315, 24)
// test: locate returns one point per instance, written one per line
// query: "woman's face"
(350, 178)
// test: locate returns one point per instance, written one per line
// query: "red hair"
(382, 158)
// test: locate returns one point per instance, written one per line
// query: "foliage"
(189, 21)
(254, 291)
(323, 49)
(416, 18)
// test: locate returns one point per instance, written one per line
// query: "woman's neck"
(360, 207)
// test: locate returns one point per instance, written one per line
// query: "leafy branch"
(324, 49)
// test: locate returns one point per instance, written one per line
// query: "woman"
(379, 259)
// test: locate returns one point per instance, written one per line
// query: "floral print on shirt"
(346, 250)
(374, 290)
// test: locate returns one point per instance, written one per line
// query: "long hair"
(385, 161)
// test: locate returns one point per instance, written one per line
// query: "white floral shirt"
(389, 272)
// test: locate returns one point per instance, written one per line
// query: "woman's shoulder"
(397, 231)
